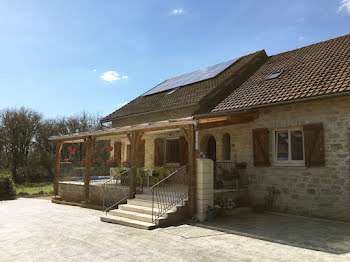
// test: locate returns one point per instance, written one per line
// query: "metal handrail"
(118, 193)
(168, 192)
(169, 176)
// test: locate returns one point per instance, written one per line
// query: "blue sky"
(62, 57)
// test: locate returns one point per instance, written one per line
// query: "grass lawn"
(35, 188)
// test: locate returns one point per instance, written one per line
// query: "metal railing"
(116, 190)
(168, 192)
(230, 175)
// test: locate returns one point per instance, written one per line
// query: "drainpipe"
(196, 135)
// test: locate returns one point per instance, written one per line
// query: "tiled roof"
(184, 96)
(311, 71)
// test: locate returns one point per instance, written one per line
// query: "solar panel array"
(189, 78)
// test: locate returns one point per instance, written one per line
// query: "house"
(280, 121)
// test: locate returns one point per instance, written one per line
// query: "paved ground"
(37, 230)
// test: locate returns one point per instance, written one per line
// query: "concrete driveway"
(37, 230)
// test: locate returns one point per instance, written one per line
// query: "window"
(274, 75)
(172, 151)
(289, 147)
(226, 147)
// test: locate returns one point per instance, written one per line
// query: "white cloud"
(94, 70)
(344, 6)
(111, 76)
(177, 11)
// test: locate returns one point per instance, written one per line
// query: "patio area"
(37, 230)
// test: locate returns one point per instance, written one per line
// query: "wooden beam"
(121, 132)
(232, 121)
(59, 145)
(135, 142)
(89, 143)
(213, 119)
(192, 189)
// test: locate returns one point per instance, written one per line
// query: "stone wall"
(320, 192)
(205, 187)
(149, 146)
(74, 192)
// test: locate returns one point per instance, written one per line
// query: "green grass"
(35, 188)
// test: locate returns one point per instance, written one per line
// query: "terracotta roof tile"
(315, 70)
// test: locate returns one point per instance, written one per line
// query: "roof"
(308, 72)
(188, 95)
(192, 77)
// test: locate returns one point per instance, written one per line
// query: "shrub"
(7, 187)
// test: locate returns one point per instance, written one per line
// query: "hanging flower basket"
(109, 148)
(71, 150)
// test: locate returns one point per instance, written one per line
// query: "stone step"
(149, 197)
(127, 222)
(146, 202)
(142, 209)
(134, 215)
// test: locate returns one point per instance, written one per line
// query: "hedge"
(7, 187)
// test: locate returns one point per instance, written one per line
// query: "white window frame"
(288, 162)
(165, 146)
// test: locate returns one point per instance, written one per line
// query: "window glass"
(296, 140)
(172, 151)
(282, 145)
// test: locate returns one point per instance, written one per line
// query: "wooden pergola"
(134, 135)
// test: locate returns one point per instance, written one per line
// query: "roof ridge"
(331, 39)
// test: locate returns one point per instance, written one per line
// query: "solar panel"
(189, 78)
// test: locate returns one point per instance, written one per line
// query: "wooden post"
(89, 143)
(59, 145)
(190, 137)
(135, 142)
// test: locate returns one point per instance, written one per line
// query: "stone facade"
(205, 187)
(319, 192)
(149, 146)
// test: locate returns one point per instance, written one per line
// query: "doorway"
(211, 148)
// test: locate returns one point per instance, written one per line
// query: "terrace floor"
(37, 230)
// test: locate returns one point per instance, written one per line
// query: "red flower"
(71, 150)
(94, 161)
(109, 148)
(66, 159)
(82, 163)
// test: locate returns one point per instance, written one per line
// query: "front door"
(211, 152)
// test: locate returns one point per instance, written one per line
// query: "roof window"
(172, 91)
(274, 75)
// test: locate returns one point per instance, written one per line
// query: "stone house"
(286, 117)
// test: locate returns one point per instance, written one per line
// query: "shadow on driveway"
(321, 235)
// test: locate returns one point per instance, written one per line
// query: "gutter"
(251, 108)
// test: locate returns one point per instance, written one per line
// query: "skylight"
(171, 91)
(274, 75)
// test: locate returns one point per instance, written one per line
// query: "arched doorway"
(211, 148)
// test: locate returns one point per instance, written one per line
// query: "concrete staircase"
(138, 213)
